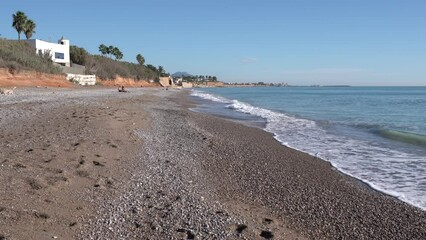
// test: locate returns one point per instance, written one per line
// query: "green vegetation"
(111, 51)
(17, 56)
(22, 24)
(19, 20)
(106, 68)
(140, 59)
(162, 72)
(29, 28)
(200, 78)
(78, 55)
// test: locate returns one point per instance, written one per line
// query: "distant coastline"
(261, 84)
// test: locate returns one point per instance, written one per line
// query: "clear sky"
(302, 42)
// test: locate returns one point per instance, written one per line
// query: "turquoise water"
(376, 134)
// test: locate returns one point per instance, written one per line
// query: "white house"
(60, 51)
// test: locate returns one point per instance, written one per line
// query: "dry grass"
(18, 55)
(108, 69)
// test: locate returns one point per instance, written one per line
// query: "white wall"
(82, 79)
(53, 48)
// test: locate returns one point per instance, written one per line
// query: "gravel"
(201, 177)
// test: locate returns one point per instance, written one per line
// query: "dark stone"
(267, 220)
(267, 234)
(137, 225)
(240, 228)
(189, 235)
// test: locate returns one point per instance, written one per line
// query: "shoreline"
(360, 182)
(356, 180)
(221, 109)
(143, 165)
(350, 184)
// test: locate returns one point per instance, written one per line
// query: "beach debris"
(96, 163)
(41, 215)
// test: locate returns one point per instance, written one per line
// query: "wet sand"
(81, 164)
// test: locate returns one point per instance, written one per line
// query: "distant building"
(187, 85)
(60, 52)
(166, 81)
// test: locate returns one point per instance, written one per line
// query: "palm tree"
(29, 28)
(140, 59)
(103, 49)
(117, 53)
(161, 71)
(19, 20)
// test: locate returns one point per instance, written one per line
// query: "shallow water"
(376, 134)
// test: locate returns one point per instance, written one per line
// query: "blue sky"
(302, 42)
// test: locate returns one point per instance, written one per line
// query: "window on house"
(59, 55)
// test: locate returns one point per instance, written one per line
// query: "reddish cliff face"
(32, 79)
(127, 82)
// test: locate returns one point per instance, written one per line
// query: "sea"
(375, 134)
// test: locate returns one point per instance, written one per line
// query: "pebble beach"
(97, 164)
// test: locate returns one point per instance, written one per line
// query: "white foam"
(383, 169)
(210, 97)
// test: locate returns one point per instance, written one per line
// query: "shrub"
(13, 67)
(78, 55)
(108, 69)
(18, 55)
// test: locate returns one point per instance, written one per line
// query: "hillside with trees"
(18, 55)
(107, 65)
(194, 78)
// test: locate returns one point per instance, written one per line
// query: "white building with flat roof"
(60, 52)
